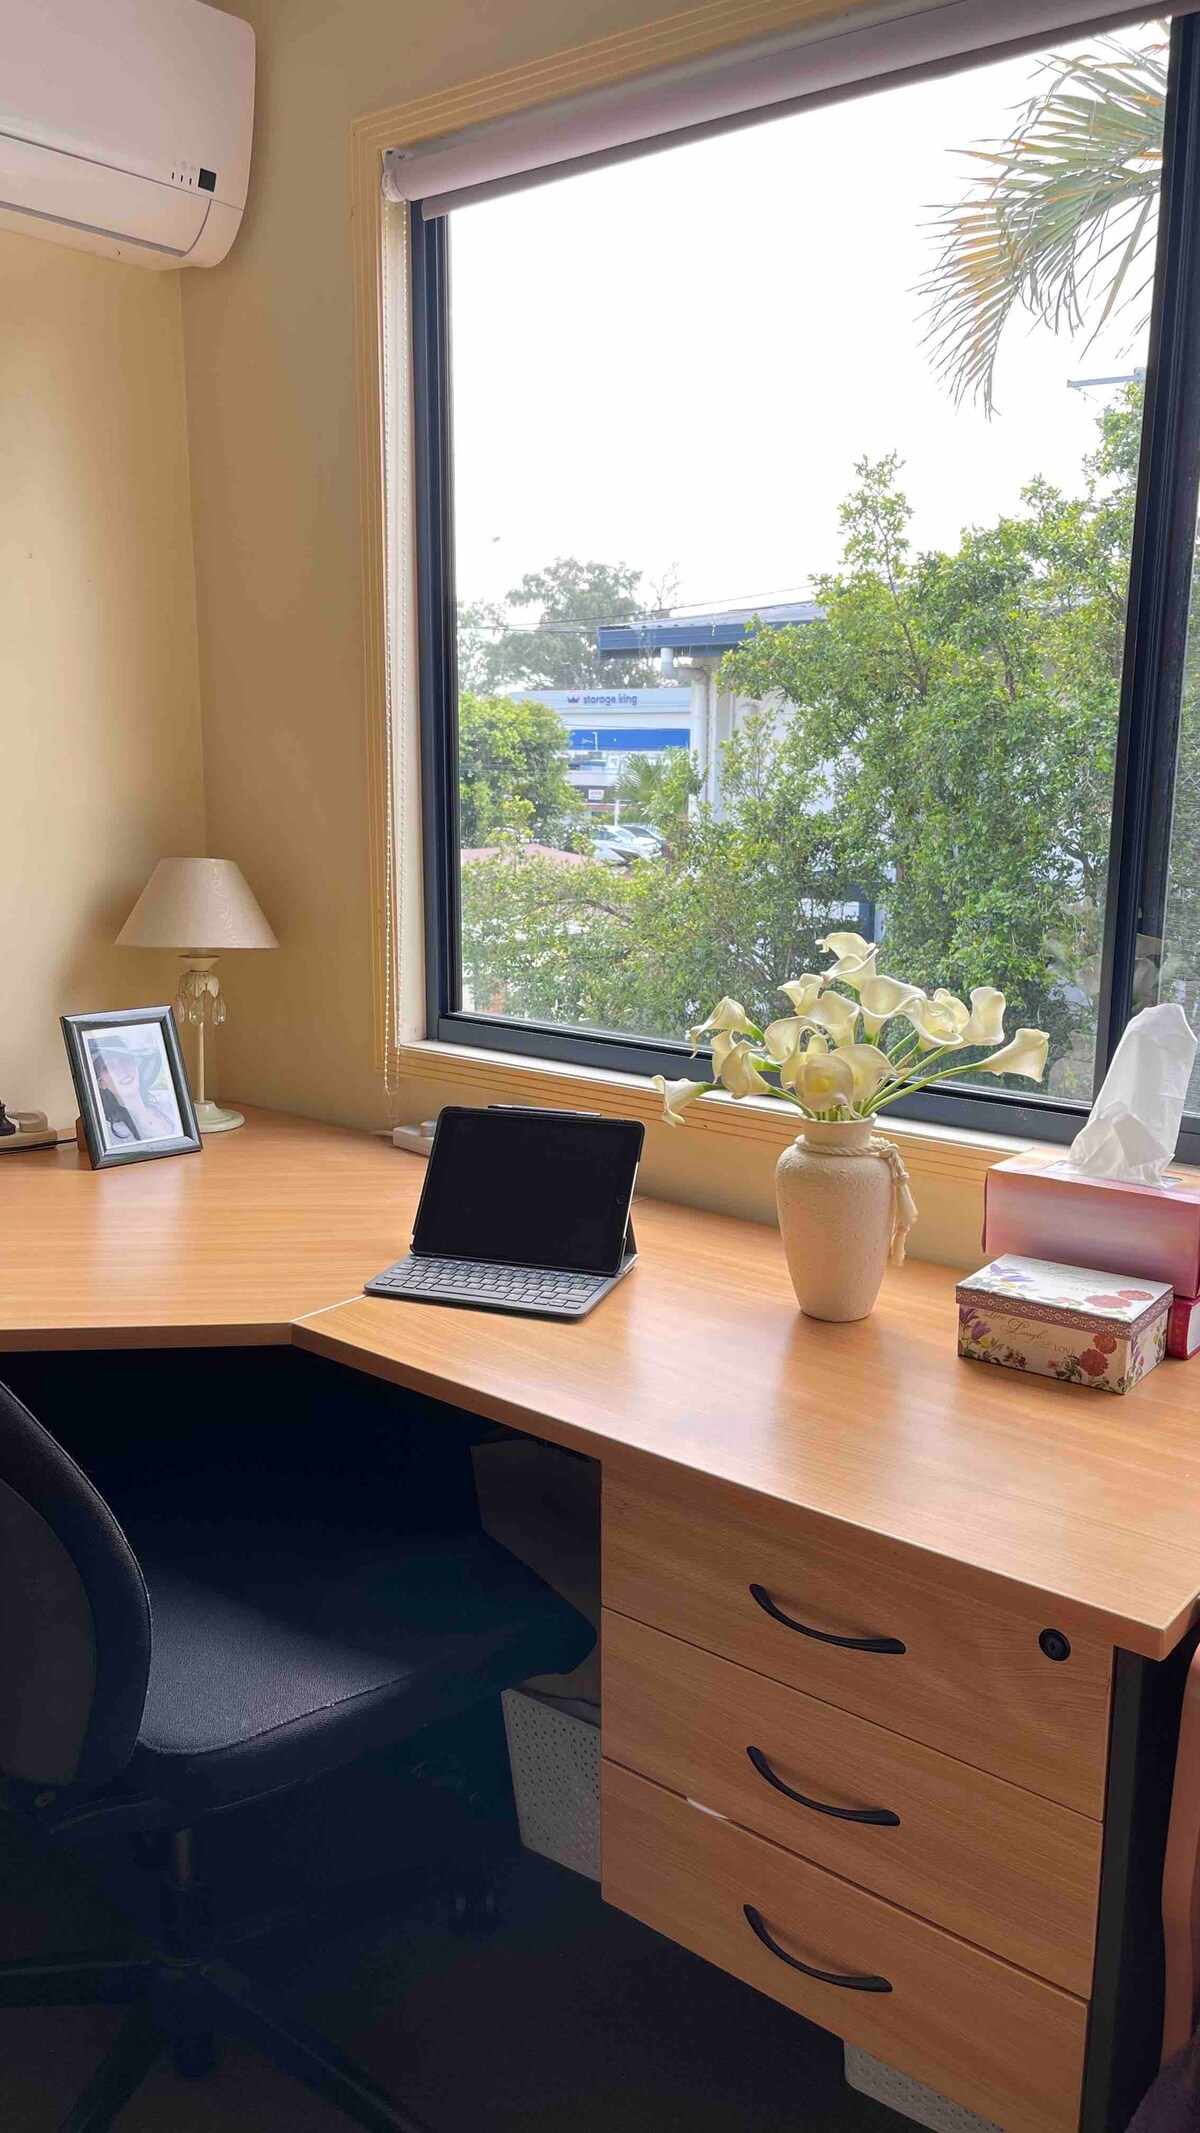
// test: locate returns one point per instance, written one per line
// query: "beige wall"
(270, 353)
(270, 369)
(100, 769)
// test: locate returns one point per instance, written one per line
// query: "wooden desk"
(700, 1360)
(863, 1478)
(229, 1246)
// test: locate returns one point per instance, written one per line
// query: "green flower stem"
(910, 1088)
(904, 1088)
(899, 1060)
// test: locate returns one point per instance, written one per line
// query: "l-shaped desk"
(893, 1643)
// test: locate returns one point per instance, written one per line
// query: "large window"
(786, 488)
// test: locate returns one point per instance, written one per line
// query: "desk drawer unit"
(1013, 1872)
(975, 2029)
(777, 1590)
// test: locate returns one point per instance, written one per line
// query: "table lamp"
(208, 902)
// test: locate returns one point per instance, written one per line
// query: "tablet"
(529, 1188)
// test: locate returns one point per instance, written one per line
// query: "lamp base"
(211, 1118)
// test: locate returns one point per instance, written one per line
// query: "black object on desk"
(522, 1210)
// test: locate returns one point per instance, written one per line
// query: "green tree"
(658, 790)
(1062, 218)
(947, 749)
(737, 904)
(556, 648)
(966, 707)
(512, 776)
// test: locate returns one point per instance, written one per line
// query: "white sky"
(676, 361)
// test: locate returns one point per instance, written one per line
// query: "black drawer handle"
(762, 1597)
(755, 1921)
(882, 1817)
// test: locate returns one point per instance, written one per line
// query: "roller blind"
(833, 57)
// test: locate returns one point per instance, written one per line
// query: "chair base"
(180, 1998)
(179, 2005)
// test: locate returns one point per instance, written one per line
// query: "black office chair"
(143, 1696)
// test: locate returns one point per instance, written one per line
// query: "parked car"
(653, 840)
(617, 844)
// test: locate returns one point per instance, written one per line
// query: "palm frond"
(1057, 219)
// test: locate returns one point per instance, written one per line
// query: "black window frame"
(1152, 676)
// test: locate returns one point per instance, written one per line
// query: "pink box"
(1183, 1327)
(1035, 1205)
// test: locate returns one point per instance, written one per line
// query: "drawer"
(971, 1679)
(1011, 1871)
(989, 2036)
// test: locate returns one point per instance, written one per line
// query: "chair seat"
(265, 1674)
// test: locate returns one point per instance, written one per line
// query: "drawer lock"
(1054, 1644)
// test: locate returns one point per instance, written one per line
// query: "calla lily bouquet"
(854, 1042)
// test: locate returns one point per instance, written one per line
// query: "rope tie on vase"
(904, 1207)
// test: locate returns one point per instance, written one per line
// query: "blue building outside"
(604, 727)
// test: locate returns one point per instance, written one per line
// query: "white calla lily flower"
(869, 1065)
(816, 1048)
(1025, 1054)
(940, 1022)
(986, 1025)
(727, 1015)
(738, 1073)
(854, 945)
(837, 1015)
(676, 1096)
(781, 1038)
(803, 991)
(822, 1081)
(722, 1044)
(855, 957)
(881, 998)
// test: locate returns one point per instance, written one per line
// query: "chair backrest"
(74, 1617)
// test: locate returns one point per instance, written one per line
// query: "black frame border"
(1155, 646)
(1160, 569)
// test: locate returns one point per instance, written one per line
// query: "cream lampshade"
(200, 906)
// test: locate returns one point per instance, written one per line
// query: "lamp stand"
(199, 999)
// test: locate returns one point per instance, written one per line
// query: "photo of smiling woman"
(133, 1085)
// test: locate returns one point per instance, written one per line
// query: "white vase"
(843, 1197)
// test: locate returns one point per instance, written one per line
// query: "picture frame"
(131, 1084)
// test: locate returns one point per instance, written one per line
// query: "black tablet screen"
(532, 1188)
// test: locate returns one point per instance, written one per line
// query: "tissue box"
(1036, 1205)
(1183, 1327)
(1066, 1322)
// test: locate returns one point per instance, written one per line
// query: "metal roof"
(698, 634)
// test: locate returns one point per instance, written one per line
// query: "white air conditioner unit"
(125, 126)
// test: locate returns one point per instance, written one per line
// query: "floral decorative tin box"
(1068, 1322)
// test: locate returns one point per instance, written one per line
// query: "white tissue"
(1134, 1123)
